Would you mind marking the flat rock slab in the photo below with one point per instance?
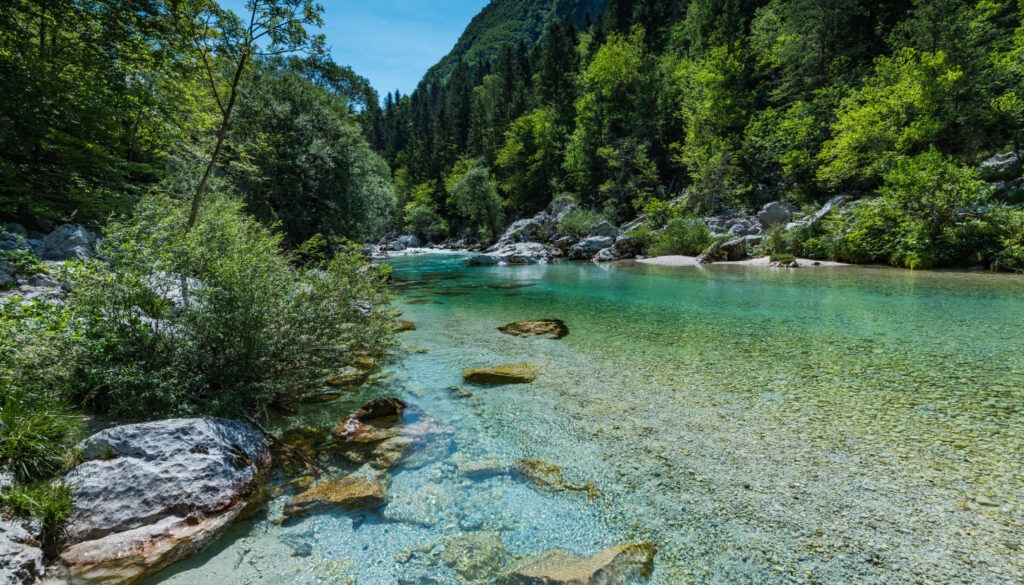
(350, 493)
(553, 328)
(518, 374)
(618, 565)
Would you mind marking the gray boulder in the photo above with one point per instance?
(68, 242)
(539, 228)
(605, 230)
(587, 248)
(9, 241)
(21, 559)
(729, 250)
(830, 207)
(521, 253)
(773, 213)
(607, 255)
(17, 229)
(409, 241)
(627, 247)
(7, 278)
(150, 494)
(564, 244)
(560, 206)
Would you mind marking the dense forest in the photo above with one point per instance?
(726, 104)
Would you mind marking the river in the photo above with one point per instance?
(811, 425)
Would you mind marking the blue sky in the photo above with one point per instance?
(391, 42)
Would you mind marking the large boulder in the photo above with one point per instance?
(730, 250)
(539, 228)
(606, 230)
(618, 565)
(147, 495)
(21, 559)
(772, 214)
(68, 242)
(522, 253)
(588, 247)
(627, 247)
(409, 241)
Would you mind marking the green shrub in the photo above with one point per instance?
(923, 216)
(687, 236)
(50, 503)
(660, 212)
(1011, 242)
(25, 262)
(216, 320)
(578, 223)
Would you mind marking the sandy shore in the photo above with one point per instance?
(763, 261)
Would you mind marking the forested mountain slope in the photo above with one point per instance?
(509, 22)
(725, 105)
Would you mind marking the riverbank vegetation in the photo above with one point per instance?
(224, 167)
(731, 105)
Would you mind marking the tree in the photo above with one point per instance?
(530, 161)
(476, 198)
(617, 104)
(275, 27)
(299, 156)
(901, 109)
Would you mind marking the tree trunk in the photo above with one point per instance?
(221, 135)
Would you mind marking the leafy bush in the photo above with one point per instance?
(25, 262)
(216, 320)
(687, 236)
(1011, 241)
(578, 223)
(659, 212)
(50, 503)
(925, 215)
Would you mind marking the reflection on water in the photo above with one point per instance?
(758, 426)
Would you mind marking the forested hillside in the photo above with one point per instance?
(730, 104)
(510, 22)
(104, 100)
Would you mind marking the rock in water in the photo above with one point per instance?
(476, 555)
(552, 327)
(522, 253)
(150, 494)
(618, 565)
(21, 560)
(351, 493)
(519, 374)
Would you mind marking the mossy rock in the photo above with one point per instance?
(553, 328)
(498, 375)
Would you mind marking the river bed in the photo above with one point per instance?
(834, 425)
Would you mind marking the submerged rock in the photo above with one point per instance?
(618, 565)
(387, 432)
(518, 374)
(476, 556)
(552, 327)
(303, 445)
(351, 493)
(402, 325)
(540, 473)
(150, 494)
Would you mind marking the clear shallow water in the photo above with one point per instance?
(828, 425)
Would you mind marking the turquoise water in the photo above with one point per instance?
(818, 425)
